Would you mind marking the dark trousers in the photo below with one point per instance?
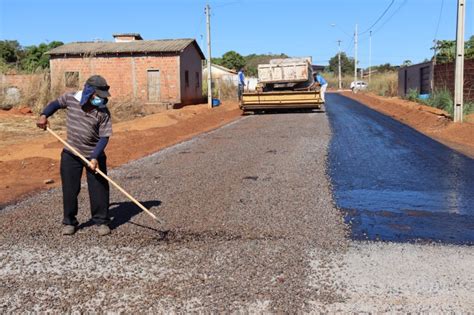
(71, 173)
(240, 91)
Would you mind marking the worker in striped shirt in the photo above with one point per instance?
(89, 127)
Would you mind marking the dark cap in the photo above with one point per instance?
(100, 85)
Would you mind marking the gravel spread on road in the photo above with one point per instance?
(389, 277)
(250, 227)
(243, 205)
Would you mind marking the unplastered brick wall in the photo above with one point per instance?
(444, 78)
(126, 75)
(20, 81)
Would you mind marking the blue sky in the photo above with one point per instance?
(295, 27)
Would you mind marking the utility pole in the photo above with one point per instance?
(355, 54)
(459, 70)
(370, 54)
(433, 64)
(339, 63)
(209, 75)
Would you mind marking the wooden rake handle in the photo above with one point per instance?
(105, 176)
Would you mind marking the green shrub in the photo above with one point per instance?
(412, 95)
(468, 108)
(441, 99)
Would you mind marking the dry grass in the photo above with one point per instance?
(384, 84)
(126, 109)
(223, 89)
(37, 93)
(333, 81)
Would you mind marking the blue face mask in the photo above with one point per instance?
(97, 101)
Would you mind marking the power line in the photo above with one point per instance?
(439, 20)
(350, 46)
(198, 29)
(390, 17)
(381, 16)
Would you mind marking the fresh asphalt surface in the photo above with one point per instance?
(251, 227)
(395, 183)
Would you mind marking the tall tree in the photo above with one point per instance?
(35, 57)
(445, 50)
(233, 60)
(469, 49)
(347, 64)
(9, 51)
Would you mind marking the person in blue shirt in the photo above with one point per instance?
(241, 83)
(324, 84)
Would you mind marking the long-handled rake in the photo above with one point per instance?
(105, 176)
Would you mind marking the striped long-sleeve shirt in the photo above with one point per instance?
(84, 129)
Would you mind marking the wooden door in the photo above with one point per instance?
(154, 85)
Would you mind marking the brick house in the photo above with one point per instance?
(150, 71)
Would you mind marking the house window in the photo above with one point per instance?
(198, 84)
(71, 79)
(186, 78)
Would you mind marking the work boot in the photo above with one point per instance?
(69, 230)
(103, 229)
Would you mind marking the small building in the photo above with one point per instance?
(415, 77)
(151, 71)
(223, 75)
(219, 72)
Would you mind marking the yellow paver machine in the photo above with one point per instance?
(284, 84)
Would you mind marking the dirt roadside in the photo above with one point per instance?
(433, 122)
(29, 158)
